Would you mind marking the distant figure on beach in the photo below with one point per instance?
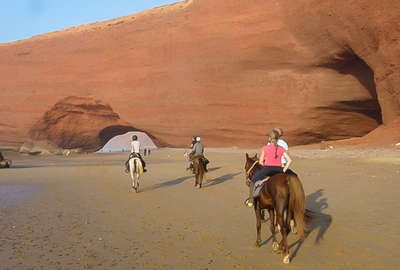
(145, 152)
(148, 152)
(4, 163)
(135, 150)
(197, 151)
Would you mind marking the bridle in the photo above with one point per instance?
(248, 171)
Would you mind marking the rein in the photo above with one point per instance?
(252, 166)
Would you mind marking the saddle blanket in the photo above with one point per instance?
(258, 186)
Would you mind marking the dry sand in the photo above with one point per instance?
(77, 212)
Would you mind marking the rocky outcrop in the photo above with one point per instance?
(79, 123)
(225, 70)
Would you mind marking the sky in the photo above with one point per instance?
(21, 19)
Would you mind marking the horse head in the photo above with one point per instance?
(250, 165)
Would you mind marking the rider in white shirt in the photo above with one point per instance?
(135, 149)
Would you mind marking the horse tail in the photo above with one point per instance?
(297, 203)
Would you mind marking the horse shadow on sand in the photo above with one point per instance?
(174, 182)
(315, 219)
(219, 180)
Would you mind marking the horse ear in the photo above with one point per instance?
(247, 156)
(255, 156)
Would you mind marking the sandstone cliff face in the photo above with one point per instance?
(79, 122)
(225, 70)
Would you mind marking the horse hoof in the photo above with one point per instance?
(257, 244)
(275, 246)
(286, 259)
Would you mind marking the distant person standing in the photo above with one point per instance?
(145, 151)
(148, 152)
(135, 149)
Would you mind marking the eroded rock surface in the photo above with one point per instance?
(225, 70)
(79, 123)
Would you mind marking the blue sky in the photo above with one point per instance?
(21, 19)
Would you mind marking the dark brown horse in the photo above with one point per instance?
(199, 169)
(281, 193)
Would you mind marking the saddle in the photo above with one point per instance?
(201, 160)
(258, 186)
(132, 155)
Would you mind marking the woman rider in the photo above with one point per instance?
(271, 161)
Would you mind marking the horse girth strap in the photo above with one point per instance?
(252, 166)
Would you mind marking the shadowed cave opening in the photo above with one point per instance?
(348, 62)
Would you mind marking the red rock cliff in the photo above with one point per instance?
(225, 70)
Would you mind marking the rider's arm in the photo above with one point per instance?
(261, 160)
(288, 161)
(193, 149)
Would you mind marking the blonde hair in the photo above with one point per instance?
(279, 130)
(273, 137)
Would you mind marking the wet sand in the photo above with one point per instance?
(77, 212)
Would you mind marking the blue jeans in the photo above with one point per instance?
(266, 171)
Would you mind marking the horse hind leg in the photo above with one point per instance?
(272, 228)
(131, 172)
(137, 182)
(201, 176)
(290, 222)
(195, 180)
(283, 245)
(138, 169)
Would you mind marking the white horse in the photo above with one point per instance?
(136, 171)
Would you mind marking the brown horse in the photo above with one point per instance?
(281, 193)
(199, 169)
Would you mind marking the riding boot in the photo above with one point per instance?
(190, 166)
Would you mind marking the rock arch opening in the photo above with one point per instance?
(117, 138)
(347, 62)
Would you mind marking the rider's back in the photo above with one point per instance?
(198, 149)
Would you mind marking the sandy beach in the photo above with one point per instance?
(77, 212)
